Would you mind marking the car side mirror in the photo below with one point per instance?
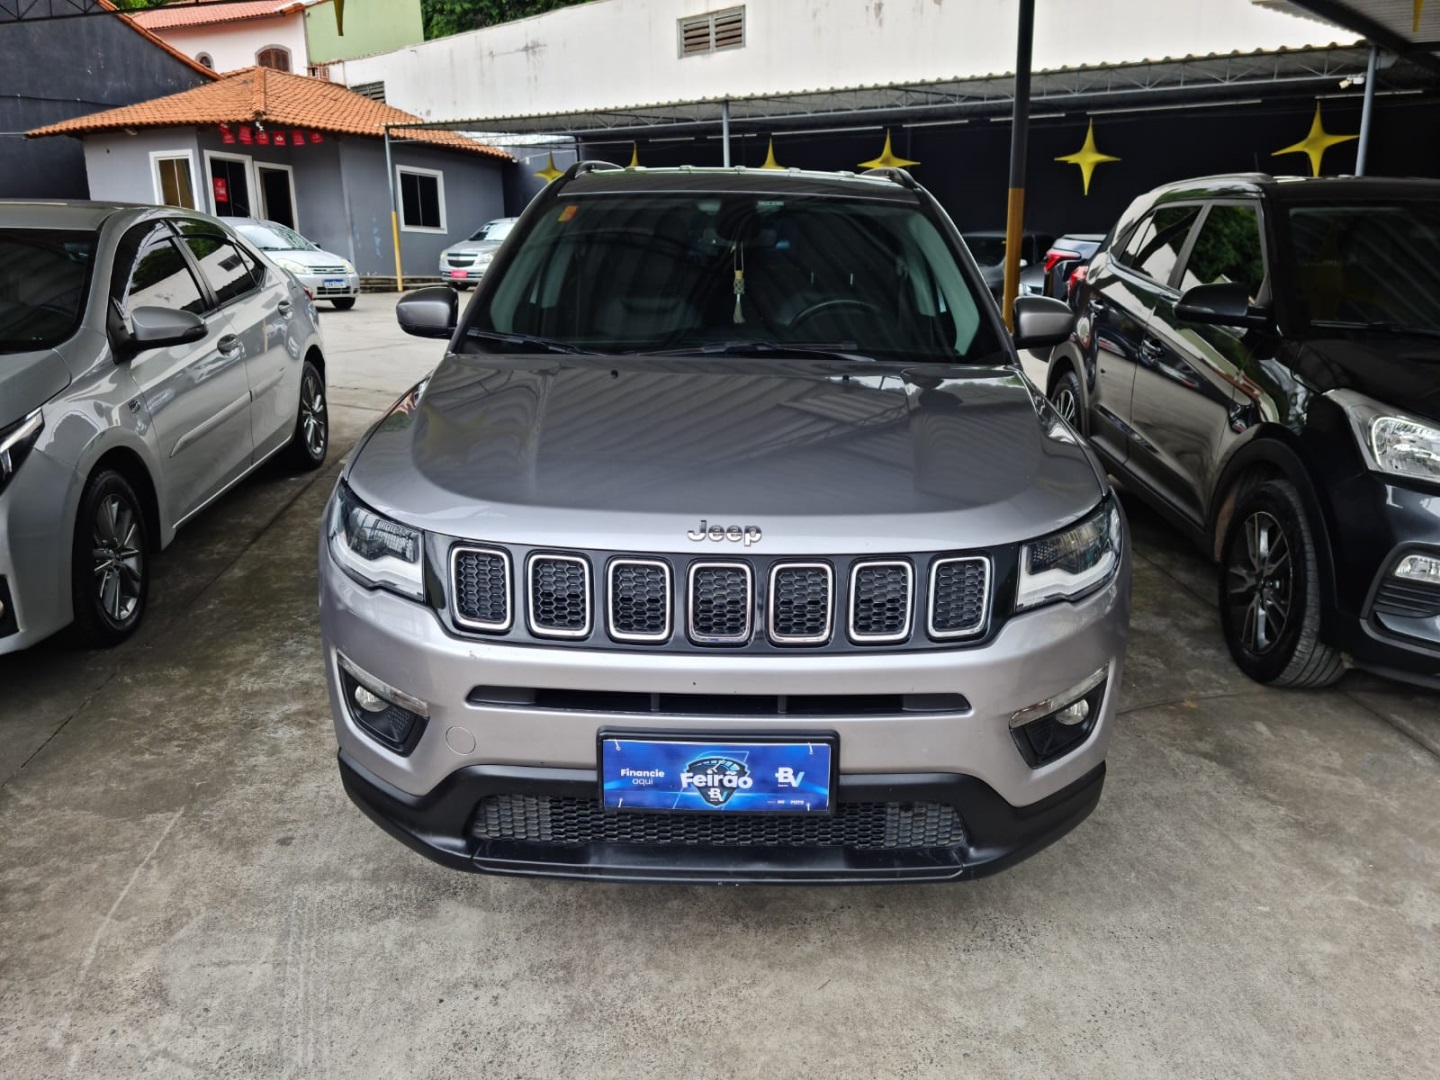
(1225, 304)
(1041, 321)
(157, 327)
(429, 312)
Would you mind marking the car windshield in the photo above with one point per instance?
(272, 236)
(988, 250)
(738, 274)
(44, 280)
(1366, 266)
(493, 230)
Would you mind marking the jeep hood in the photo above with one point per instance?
(28, 380)
(631, 453)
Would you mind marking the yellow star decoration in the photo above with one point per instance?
(549, 172)
(887, 159)
(1316, 143)
(1087, 157)
(770, 162)
(634, 156)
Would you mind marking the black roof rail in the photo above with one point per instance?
(899, 176)
(586, 167)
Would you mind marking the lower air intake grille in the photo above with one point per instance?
(872, 826)
(559, 596)
(720, 602)
(880, 601)
(957, 597)
(480, 582)
(1409, 600)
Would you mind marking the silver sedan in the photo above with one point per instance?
(149, 359)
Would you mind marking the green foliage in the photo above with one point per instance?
(442, 17)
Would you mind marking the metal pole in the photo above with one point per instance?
(394, 212)
(1019, 140)
(725, 130)
(1365, 116)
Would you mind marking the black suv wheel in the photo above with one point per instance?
(1065, 395)
(1270, 591)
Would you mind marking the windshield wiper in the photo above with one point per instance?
(526, 340)
(830, 350)
(1382, 327)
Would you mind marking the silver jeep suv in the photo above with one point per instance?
(728, 543)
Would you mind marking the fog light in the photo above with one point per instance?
(1052, 728)
(1077, 713)
(368, 701)
(1424, 568)
(388, 715)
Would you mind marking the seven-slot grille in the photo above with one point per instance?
(721, 603)
(959, 589)
(880, 595)
(559, 594)
(481, 579)
(721, 600)
(801, 598)
(638, 605)
(326, 270)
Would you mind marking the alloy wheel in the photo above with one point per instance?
(312, 414)
(1260, 583)
(118, 562)
(1066, 405)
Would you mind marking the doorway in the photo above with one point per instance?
(277, 193)
(230, 186)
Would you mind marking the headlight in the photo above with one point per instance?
(349, 266)
(1390, 441)
(484, 257)
(293, 267)
(1067, 565)
(15, 443)
(374, 550)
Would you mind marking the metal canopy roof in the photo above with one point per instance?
(1410, 28)
(1159, 83)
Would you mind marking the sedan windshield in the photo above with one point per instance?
(272, 236)
(739, 275)
(1366, 266)
(494, 231)
(44, 280)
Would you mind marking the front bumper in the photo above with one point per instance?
(470, 274)
(35, 553)
(330, 286)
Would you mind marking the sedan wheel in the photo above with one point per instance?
(109, 565)
(312, 422)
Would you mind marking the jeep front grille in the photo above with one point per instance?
(638, 599)
(959, 589)
(720, 602)
(880, 594)
(480, 580)
(801, 599)
(559, 590)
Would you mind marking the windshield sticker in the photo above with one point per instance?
(569, 212)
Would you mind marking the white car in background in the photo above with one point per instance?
(465, 263)
(326, 275)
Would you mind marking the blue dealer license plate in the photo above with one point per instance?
(715, 775)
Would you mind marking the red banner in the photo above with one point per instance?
(222, 193)
(246, 135)
(226, 135)
(262, 137)
(279, 138)
(315, 137)
(297, 138)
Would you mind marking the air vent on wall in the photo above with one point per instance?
(372, 90)
(712, 32)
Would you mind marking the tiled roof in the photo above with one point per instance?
(272, 97)
(206, 13)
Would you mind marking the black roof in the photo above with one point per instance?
(1301, 188)
(887, 184)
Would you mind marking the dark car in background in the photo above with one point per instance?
(1259, 360)
(987, 247)
(1066, 263)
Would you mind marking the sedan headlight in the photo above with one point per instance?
(15, 444)
(1067, 565)
(374, 550)
(1390, 441)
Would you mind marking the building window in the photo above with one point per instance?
(204, 59)
(174, 176)
(712, 32)
(373, 90)
(274, 56)
(422, 199)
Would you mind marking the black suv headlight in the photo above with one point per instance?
(1391, 441)
(1073, 562)
(374, 550)
(16, 442)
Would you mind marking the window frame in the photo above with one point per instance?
(1202, 208)
(204, 59)
(438, 176)
(285, 49)
(210, 205)
(260, 191)
(188, 155)
(1264, 296)
(122, 271)
(198, 227)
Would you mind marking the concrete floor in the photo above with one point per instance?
(186, 891)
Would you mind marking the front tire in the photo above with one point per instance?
(1270, 598)
(343, 303)
(311, 440)
(109, 562)
(1068, 400)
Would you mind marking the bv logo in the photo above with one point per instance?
(716, 778)
(748, 534)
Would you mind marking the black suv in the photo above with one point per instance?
(1259, 360)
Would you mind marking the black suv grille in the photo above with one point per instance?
(957, 597)
(800, 597)
(639, 600)
(880, 601)
(720, 602)
(872, 826)
(559, 596)
(482, 588)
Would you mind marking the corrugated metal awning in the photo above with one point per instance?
(1410, 28)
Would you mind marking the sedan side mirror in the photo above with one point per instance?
(1041, 321)
(1225, 304)
(156, 327)
(429, 312)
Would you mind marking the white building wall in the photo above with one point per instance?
(609, 53)
(234, 45)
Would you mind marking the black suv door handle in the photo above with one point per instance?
(228, 345)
